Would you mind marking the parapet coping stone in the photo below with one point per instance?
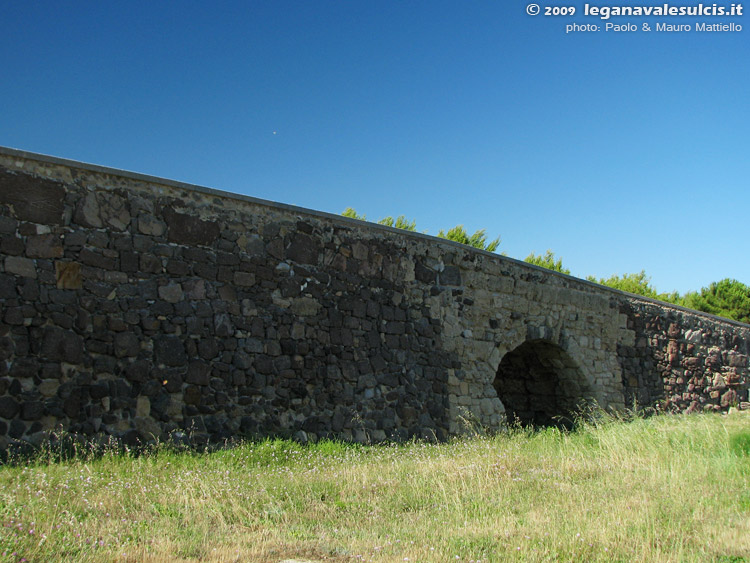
(48, 159)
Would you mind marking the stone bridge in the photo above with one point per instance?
(139, 307)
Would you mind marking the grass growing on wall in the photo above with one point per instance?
(667, 488)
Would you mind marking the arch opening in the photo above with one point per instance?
(540, 384)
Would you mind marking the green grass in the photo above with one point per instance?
(666, 488)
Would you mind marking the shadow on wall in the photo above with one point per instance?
(541, 385)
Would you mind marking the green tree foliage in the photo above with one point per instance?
(726, 298)
(547, 261)
(477, 240)
(457, 234)
(673, 297)
(401, 222)
(639, 283)
(352, 214)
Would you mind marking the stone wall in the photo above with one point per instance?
(683, 361)
(139, 307)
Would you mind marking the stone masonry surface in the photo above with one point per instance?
(140, 307)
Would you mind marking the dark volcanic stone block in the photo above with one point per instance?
(96, 260)
(99, 390)
(303, 249)
(24, 367)
(17, 429)
(126, 344)
(44, 246)
(11, 245)
(33, 199)
(8, 225)
(8, 407)
(451, 275)
(424, 274)
(62, 345)
(7, 287)
(189, 230)
(32, 410)
(169, 351)
(198, 373)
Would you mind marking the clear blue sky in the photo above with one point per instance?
(618, 151)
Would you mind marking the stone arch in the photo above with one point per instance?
(541, 384)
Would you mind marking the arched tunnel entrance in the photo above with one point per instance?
(540, 384)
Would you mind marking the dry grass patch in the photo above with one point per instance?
(668, 488)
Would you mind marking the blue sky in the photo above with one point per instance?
(618, 151)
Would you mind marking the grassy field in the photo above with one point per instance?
(667, 488)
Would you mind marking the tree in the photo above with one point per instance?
(352, 214)
(639, 283)
(401, 222)
(477, 240)
(726, 298)
(547, 261)
(457, 234)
